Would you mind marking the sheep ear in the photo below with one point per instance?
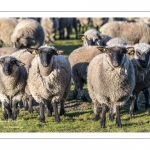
(130, 50)
(103, 49)
(19, 63)
(81, 36)
(1, 61)
(32, 51)
(59, 52)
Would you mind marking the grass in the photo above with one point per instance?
(79, 115)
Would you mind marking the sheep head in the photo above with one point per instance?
(9, 64)
(115, 54)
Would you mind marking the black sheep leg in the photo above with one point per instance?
(42, 117)
(118, 120)
(103, 117)
(75, 93)
(96, 111)
(62, 110)
(147, 101)
(14, 110)
(30, 104)
(132, 104)
(7, 111)
(49, 108)
(55, 108)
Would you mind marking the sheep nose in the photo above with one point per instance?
(115, 64)
(45, 64)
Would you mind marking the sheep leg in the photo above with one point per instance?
(132, 104)
(82, 95)
(14, 110)
(55, 108)
(96, 111)
(103, 117)
(147, 101)
(118, 120)
(75, 93)
(62, 110)
(42, 117)
(136, 102)
(30, 109)
(25, 104)
(111, 114)
(49, 108)
(7, 111)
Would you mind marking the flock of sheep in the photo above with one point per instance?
(114, 63)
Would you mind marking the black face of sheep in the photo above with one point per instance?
(8, 64)
(45, 54)
(143, 58)
(116, 54)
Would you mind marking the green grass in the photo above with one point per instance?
(79, 115)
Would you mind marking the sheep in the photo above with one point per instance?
(79, 60)
(83, 24)
(7, 26)
(98, 22)
(111, 81)
(141, 62)
(93, 37)
(50, 26)
(26, 57)
(7, 50)
(49, 80)
(28, 33)
(65, 23)
(12, 85)
(133, 33)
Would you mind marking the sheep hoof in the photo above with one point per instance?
(62, 112)
(119, 125)
(42, 120)
(57, 119)
(84, 99)
(111, 117)
(102, 123)
(5, 116)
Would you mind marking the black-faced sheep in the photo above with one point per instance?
(111, 81)
(49, 80)
(93, 37)
(12, 85)
(28, 33)
(141, 62)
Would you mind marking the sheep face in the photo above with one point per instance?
(9, 64)
(142, 59)
(45, 55)
(115, 54)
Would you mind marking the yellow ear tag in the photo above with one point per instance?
(82, 38)
(34, 52)
(132, 53)
(104, 49)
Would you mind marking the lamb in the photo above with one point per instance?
(7, 51)
(93, 37)
(12, 85)
(141, 62)
(7, 26)
(138, 32)
(50, 26)
(26, 57)
(28, 33)
(49, 80)
(111, 81)
(79, 60)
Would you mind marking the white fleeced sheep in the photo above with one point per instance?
(25, 57)
(138, 32)
(28, 33)
(111, 81)
(141, 62)
(50, 26)
(7, 26)
(7, 51)
(12, 85)
(49, 80)
(117, 40)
